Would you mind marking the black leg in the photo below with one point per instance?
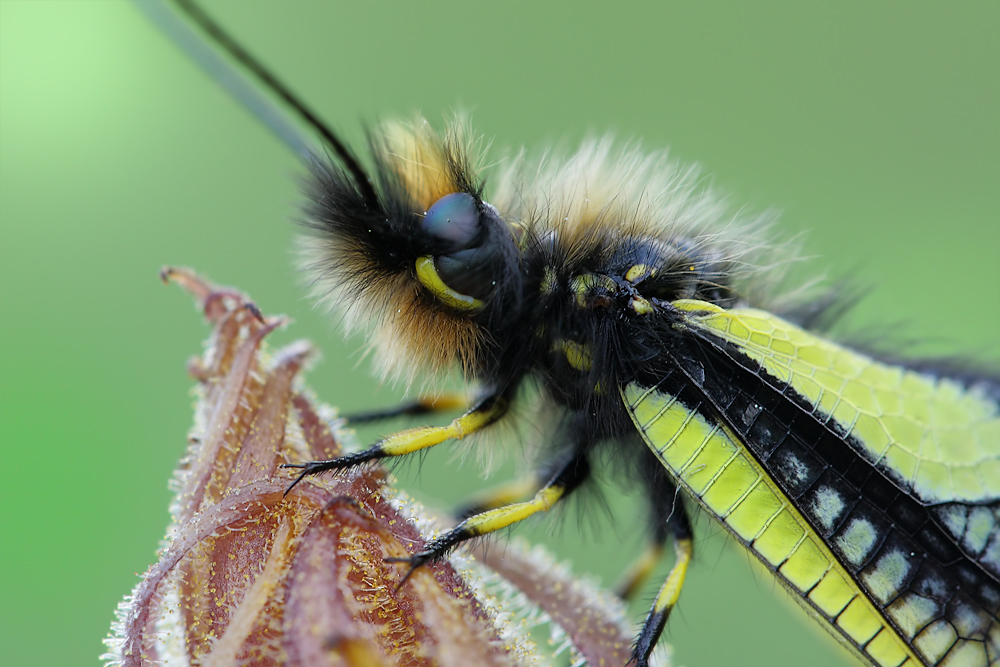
(635, 576)
(666, 599)
(663, 503)
(565, 479)
(422, 406)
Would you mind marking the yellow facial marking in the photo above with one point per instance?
(641, 306)
(583, 285)
(429, 278)
(639, 272)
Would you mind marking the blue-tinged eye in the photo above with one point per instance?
(467, 250)
(454, 219)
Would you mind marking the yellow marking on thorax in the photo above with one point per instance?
(941, 439)
(429, 278)
(709, 463)
(578, 355)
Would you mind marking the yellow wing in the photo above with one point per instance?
(869, 490)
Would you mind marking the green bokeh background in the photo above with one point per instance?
(875, 128)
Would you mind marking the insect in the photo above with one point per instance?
(627, 296)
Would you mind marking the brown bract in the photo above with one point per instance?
(251, 576)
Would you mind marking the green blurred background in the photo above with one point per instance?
(874, 127)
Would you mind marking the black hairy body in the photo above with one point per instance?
(572, 290)
(548, 282)
(549, 286)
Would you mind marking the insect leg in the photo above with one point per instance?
(665, 508)
(567, 477)
(421, 406)
(666, 599)
(637, 573)
(488, 410)
(498, 496)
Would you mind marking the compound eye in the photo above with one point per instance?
(453, 220)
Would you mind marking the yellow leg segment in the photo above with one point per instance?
(666, 600)
(493, 520)
(411, 440)
(568, 477)
(503, 494)
(671, 589)
(415, 439)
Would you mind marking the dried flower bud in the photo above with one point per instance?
(250, 576)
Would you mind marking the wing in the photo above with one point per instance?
(869, 490)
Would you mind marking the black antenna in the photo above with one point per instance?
(231, 79)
